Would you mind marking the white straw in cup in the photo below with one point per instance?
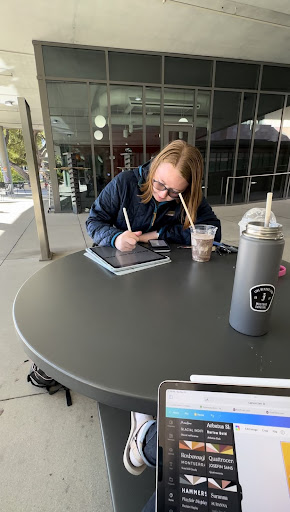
(268, 209)
(186, 210)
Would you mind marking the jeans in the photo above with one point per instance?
(149, 450)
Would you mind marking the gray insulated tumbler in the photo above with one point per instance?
(257, 268)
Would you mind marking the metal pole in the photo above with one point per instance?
(249, 189)
(144, 122)
(162, 103)
(209, 126)
(112, 172)
(227, 189)
(92, 142)
(4, 161)
(288, 184)
(279, 142)
(222, 186)
(31, 158)
(237, 146)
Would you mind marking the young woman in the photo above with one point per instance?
(150, 195)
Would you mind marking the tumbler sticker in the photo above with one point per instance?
(261, 297)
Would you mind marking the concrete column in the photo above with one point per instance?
(4, 161)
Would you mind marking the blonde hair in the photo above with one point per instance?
(188, 161)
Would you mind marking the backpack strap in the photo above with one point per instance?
(54, 389)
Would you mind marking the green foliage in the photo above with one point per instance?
(15, 145)
(16, 178)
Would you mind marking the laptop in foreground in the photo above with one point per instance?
(223, 445)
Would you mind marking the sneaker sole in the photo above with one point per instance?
(126, 456)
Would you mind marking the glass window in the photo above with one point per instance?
(223, 143)
(178, 106)
(266, 138)
(246, 130)
(178, 115)
(68, 107)
(284, 155)
(74, 63)
(236, 75)
(100, 119)
(135, 67)
(275, 78)
(180, 71)
(202, 121)
(152, 102)
(127, 126)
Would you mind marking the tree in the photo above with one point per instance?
(16, 149)
(16, 177)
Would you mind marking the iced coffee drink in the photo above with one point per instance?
(202, 237)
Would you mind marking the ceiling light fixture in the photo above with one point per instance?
(138, 98)
(98, 135)
(183, 120)
(100, 121)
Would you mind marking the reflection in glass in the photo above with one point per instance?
(68, 107)
(236, 75)
(275, 78)
(135, 67)
(127, 126)
(202, 121)
(266, 138)
(152, 105)
(74, 63)
(246, 130)
(178, 106)
(223, 143)
(284, 155)
(182, 71)
(100, 127)
(178, 115)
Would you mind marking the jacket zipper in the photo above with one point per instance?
(154, 215)
(155, 212)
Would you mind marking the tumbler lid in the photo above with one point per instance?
(258, 230)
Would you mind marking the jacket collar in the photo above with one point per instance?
(142, 172)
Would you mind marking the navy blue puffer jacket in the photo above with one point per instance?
(106, 219)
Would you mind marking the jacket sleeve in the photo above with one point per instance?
(103, 215)
(175, 233)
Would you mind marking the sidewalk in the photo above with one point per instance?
(52, 456)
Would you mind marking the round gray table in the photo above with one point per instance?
(115, 338)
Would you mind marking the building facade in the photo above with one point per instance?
(106, 111)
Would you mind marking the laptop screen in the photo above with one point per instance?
(225, 451)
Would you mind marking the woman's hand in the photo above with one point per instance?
(127, 241)
(153, 235)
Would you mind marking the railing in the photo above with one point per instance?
(249, 184)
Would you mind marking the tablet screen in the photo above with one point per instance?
(224, 451)
(118, 259)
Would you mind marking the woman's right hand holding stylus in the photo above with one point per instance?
(127, 241)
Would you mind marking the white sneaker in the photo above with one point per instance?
(133, 458)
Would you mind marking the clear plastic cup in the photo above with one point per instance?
(202, 237)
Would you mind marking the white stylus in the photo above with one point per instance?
(127, 219)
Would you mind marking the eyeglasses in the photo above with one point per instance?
(170, 191)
